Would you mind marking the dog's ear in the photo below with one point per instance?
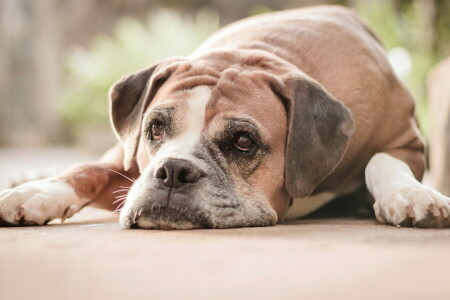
(129, 98)
(319, 131)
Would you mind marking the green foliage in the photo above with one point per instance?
(381, 16)
(404, 28)
(260, 9)
(133, 45)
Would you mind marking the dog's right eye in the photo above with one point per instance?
(156, 132)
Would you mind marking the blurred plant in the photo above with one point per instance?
(259, 9)
(406, 35)
(133, 45)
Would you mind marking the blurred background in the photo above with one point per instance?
(58, 58)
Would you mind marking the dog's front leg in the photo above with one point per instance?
(400, 199)
(38, 202)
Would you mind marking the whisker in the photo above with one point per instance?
(119, 200)
(122, 190)
(132, 180)
(119, 208)
(121, 196)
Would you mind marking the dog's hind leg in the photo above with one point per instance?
(38, 202)
(400, 198)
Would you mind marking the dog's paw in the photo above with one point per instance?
(417, 206)
(38, 202)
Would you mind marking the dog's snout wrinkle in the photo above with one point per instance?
(175, 173)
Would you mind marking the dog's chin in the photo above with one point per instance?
(161, 218)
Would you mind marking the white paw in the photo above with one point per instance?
(38, 202)
(415, 205)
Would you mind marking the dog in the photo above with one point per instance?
(270, 118)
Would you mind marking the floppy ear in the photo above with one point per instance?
(319, 131)
(129, 98)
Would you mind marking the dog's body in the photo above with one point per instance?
(249, 124)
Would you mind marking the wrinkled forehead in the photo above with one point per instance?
(233, 95)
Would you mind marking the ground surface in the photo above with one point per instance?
(90, 257)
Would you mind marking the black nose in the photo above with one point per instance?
(177, 172)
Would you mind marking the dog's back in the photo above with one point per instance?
(334, 47)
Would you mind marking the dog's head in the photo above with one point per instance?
(224, 140)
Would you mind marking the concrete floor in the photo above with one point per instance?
(90, 257)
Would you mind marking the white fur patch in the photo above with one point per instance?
(39, 201)
(398, 195)
(183, 144)
(304, 206)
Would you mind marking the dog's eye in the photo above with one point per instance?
(243, 142)
(157, 132)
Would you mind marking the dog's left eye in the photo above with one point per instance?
(157, 132)
(243, 142)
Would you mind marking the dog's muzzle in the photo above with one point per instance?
(180, 193)
(166, 197)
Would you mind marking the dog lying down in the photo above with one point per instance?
(270, 118)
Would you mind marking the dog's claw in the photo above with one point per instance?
(444, 212)
(411, 215)
(410, 212)
(434, 210)
(134, 218)
(68, 212)
(20, 214)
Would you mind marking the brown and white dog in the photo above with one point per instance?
(289, 108)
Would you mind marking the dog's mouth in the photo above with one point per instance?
(166, 218)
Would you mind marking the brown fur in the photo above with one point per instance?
(98, 181)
